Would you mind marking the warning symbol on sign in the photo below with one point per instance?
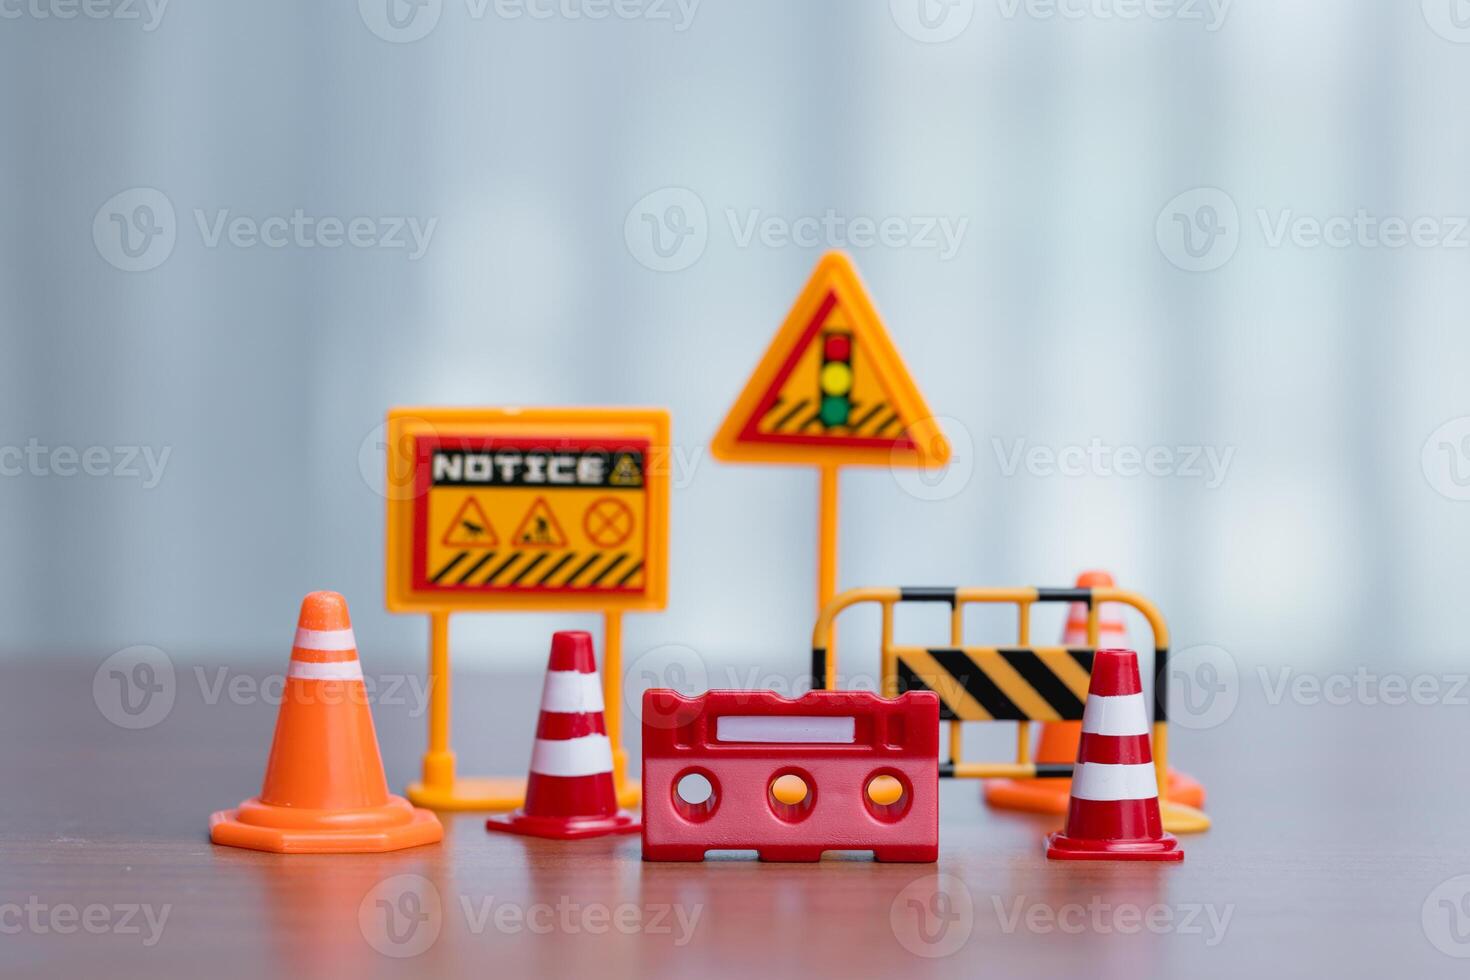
(831, 388)
(626, 472)
(608, 522)
(470, 527)
(540, 529)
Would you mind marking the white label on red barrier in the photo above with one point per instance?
(1103, 782)
(788, 728)
(1122, 714)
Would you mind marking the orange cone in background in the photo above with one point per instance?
(324, 790)
(1059, 739)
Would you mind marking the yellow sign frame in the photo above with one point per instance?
(409, 431)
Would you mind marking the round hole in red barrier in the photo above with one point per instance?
(792, 793)
(888, 795)
(696, 794)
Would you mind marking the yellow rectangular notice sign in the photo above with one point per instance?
(530, 509)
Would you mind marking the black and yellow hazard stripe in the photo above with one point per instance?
(998, 684)
(1009, 681)
(540, 569)
(805, 415)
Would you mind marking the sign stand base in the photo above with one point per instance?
(440, 789)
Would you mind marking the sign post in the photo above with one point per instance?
(533, 510)
(831, 391)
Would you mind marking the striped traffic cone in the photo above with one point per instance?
(1114, 812)
(1057, 744)
(570, 791)
(324, 787)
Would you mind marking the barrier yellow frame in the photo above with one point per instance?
(1177, 817)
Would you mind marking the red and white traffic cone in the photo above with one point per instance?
(1114, 812)
(570, 791)
(1057, 743)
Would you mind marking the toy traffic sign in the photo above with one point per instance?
(831, 391)
(831, 388)
(523, 509)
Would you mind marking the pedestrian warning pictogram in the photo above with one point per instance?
(831, 388)
(470, 528)
(539, 528)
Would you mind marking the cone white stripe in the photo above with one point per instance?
(1109, 783)
(571, 692)
(325, 639)
(349, 670)
(1122, 714)
(588, 755)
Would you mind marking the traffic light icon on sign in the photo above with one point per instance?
(836, 378)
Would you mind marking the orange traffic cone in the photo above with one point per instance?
(570, 791)
(324, 787)
(1058, 741)
(1114, 810)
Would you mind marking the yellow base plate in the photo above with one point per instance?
(1181, 819)
(496, 793)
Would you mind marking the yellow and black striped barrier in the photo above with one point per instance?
(1023, 684)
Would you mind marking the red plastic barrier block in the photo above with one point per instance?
(836, 742)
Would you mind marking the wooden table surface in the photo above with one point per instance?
(1339, 834)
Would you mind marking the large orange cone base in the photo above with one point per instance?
(324, 787)
(1058, 742)
(1114, 810)
(570, 790)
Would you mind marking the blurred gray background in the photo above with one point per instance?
(1130, 194)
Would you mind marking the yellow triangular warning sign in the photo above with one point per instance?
(470, 527)
(539, 528)
(626, 471)
(831, 388)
